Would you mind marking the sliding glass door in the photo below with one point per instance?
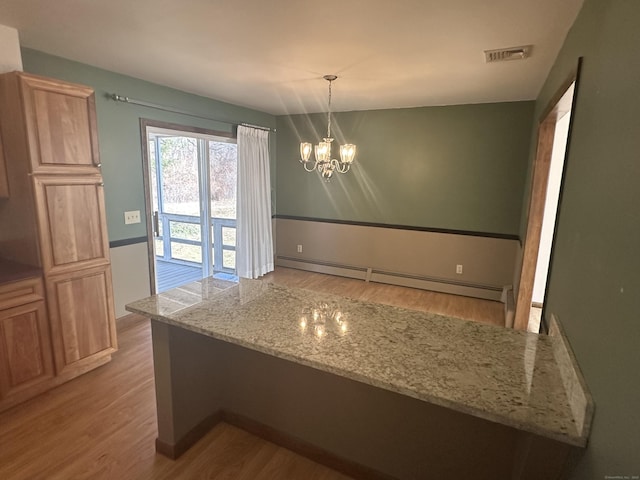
(192, 188)
(223, 174)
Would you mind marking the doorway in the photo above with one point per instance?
(191, 178)
(550, 213)
(548, 173)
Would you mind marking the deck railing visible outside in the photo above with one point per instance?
(183, 243)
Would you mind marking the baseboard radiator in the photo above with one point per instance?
(509, 305)
(424, 282)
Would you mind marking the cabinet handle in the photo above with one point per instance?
(156, 224)
(101, 184)
(99, 165)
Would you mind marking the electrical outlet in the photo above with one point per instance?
(132, 217)
(299, 248)
(459, 269)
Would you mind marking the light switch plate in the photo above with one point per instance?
(132, 217)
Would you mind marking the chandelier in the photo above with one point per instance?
(323, 163)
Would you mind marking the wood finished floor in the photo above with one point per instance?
(103, 425)
(467, 308)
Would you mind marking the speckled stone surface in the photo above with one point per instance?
(498, 374)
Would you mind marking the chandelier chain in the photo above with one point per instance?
(329, 113)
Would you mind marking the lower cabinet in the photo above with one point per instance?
(4, 178)
(26, 362)
(81, 316)
(53, 331)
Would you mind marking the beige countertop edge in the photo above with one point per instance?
(574, 440)
(572, 375)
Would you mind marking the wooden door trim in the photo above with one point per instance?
(540, 177)
(546, 135)
(144, 123)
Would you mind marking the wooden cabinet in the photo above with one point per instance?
(4, 178)
(81, 330)
(61, 125)
(26, 362)
(71, 218)
(55, 219)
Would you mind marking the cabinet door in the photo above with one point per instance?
(26, 364)
(61, 125)
(72, 224)
(82, 318)
(4, 177)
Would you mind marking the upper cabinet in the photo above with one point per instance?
(60, 122)
(72, 222)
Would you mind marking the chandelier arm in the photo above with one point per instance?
(339, 166)
(342, 167)
(315, 164)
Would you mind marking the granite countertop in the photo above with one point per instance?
(519, 379)
(13, 271)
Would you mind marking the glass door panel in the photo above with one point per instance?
(193, 198)
(223, 164)
(176, 199)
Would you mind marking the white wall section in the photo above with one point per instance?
(10, 58)
(130, 270)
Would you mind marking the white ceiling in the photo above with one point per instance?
(270, 55)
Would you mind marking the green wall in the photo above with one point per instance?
(456, 167)
(595, 273)
(119, 128)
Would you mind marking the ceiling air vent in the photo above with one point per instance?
(504, 54)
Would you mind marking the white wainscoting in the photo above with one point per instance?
(130, 270)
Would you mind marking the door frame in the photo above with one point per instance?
(144, 124)
(540, 178)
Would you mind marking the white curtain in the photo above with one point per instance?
(254, 239)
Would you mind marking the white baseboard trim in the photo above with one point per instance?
(487, 292)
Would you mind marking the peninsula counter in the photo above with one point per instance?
(371, 389)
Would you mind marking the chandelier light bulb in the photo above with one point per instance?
(305, 151)
(347, 153)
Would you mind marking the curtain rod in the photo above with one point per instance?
(120, 98)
